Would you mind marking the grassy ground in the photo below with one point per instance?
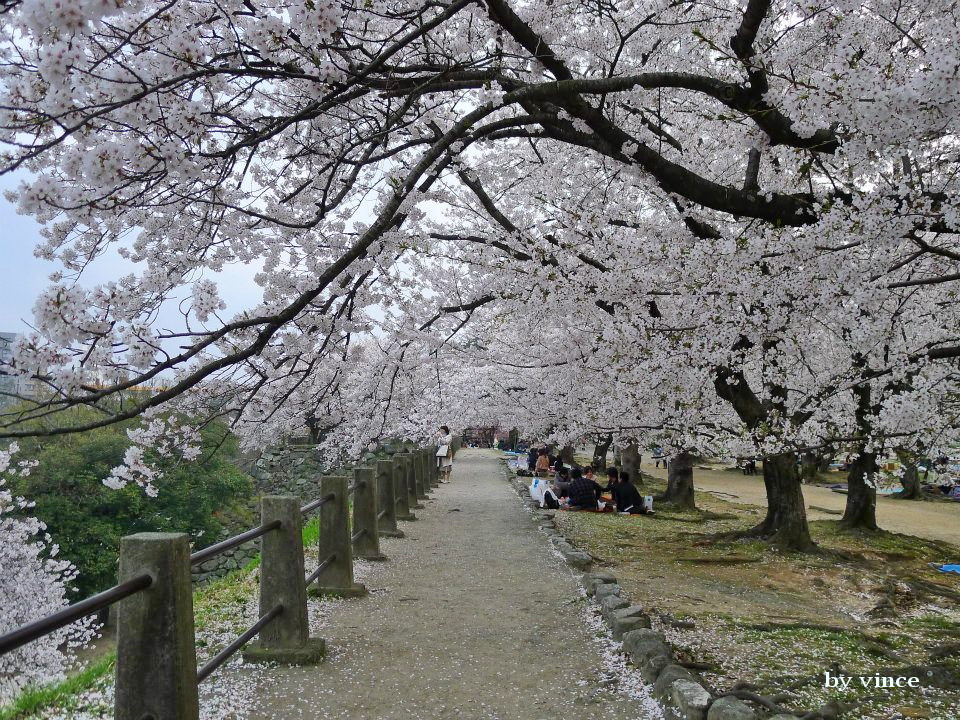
(775, 622)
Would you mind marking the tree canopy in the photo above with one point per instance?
(725, 225)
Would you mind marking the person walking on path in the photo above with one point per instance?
(445, 453)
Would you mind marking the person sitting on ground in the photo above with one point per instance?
(583, 492)
(612, 480)
(542, 464)
(561, 482)
(627, 497)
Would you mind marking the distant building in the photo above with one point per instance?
(12, 384)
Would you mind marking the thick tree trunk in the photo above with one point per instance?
(808, 467)
(861, 510)
(600, 452)
(911, 477)
(630, 461)
(566, 454)
(680, 480)
(786, 522)
(514, 438)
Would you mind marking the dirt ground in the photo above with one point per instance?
(747, 613)
(931, 520)
(473, 616)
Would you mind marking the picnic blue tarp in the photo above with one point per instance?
(950, 569)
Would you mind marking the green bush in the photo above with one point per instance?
(87, 519)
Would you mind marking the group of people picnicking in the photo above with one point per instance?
(576, 488)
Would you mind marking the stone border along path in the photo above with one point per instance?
(682, 693)
(474, 615)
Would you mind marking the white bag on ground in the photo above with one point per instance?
(537, 487)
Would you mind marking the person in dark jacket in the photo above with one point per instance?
(626, 496)
(612, 480)
(583, 492)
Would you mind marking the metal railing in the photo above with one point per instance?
(95, 603)
(155, 585)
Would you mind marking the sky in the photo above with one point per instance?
(23, 276)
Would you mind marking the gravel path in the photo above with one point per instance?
(473, 616)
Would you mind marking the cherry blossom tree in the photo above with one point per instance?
(727, 225)
(33, 583)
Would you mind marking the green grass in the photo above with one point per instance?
(311, 532)
(35, 699)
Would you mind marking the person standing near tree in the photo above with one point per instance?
(658, 456)
(445, 453)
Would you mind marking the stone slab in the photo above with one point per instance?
(730, 708)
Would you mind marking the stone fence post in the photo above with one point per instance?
(335, 544)
(409, 471)
(366, 538)
(156, 650)
(286, 638)
(420, 477)
(400, 461)
(430, 455)
(387, 500)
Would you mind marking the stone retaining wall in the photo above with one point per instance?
(288, 470)
(225, 563)
(683, 693)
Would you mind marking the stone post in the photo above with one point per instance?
(366, 544)
(286, 638)
(430, 465)
(387, 496)
(400, 461)
(420, 477)
(156, 651)
(409, 480)
(337, 577)
(432, 469)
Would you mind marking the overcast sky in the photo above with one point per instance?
(22, 275)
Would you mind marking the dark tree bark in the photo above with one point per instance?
(786, 522)
(600, 452)
(514, 439)
(630, 461)
(911, 477)
(812, 464)
(861, 509)
(680, 481)
(566, 454)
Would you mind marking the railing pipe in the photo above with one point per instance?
(221, 657)
(311, 506)
(230, 543)
(44, 626)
